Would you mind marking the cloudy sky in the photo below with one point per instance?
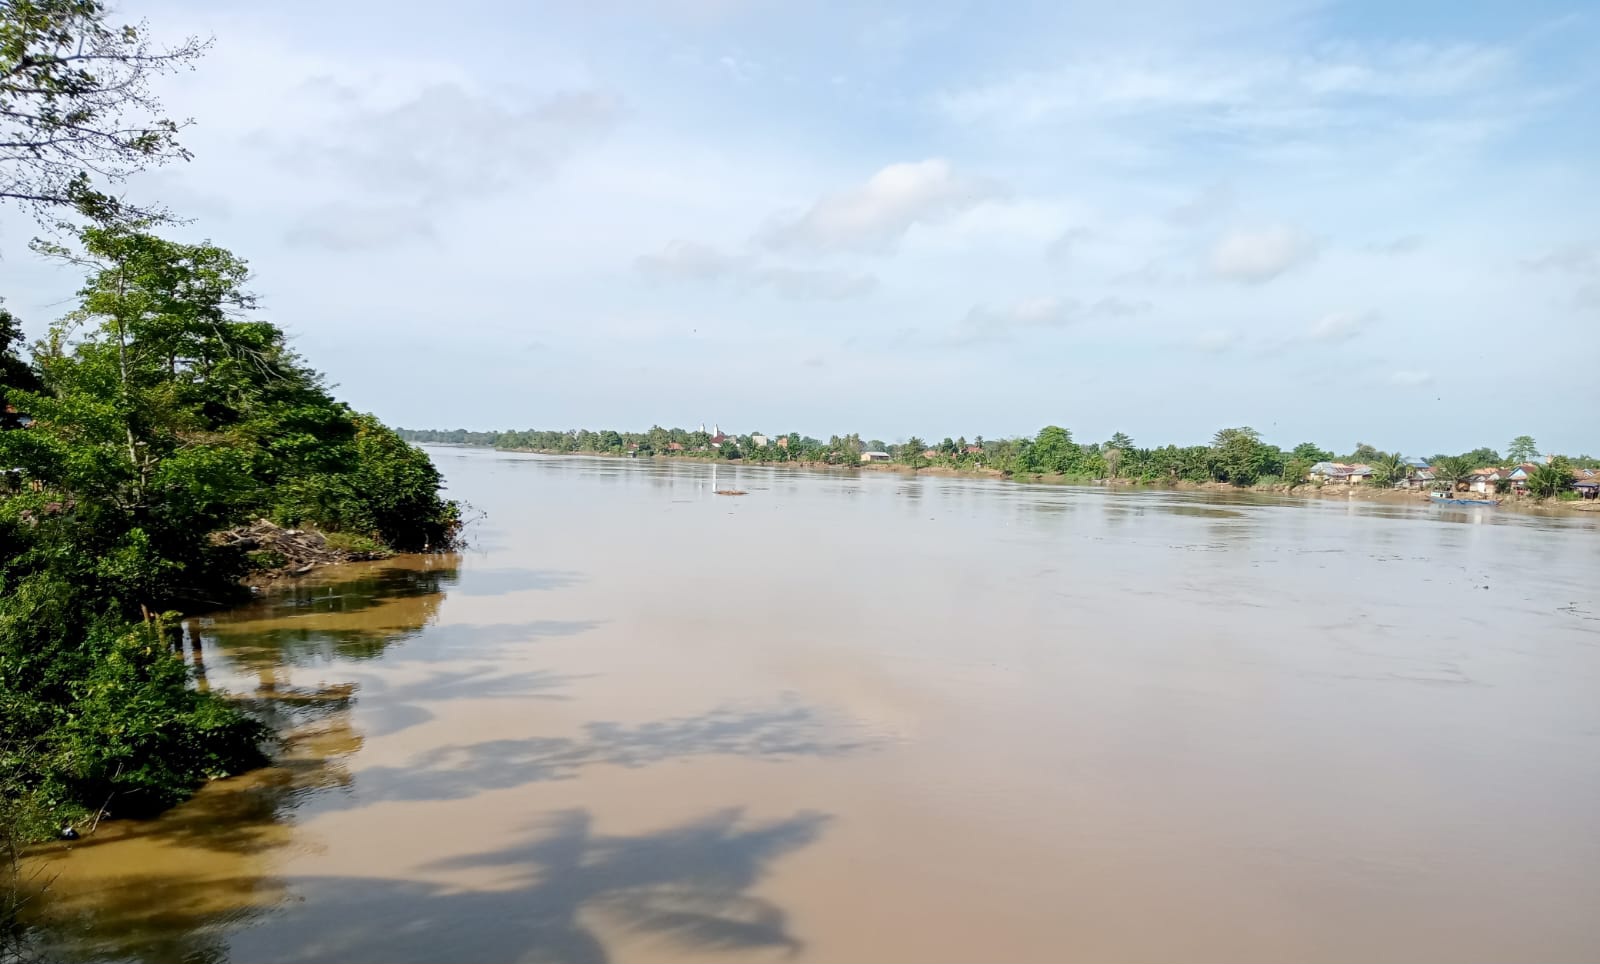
(1339, 222)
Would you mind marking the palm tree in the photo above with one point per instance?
(1452, 469)
(1389, 469)
(1550, 479)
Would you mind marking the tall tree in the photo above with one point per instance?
(77, 114)
(1522, 449)
(1120, 440)
(1054, 451)
(1311, 453)
(1237, 455)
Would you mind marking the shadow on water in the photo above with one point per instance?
(197, 884)
(786, 731)
(687, 886)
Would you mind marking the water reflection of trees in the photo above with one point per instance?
(181, 887)
(350, 619)
(686, 885)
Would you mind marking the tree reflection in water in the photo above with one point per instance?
(202, 882)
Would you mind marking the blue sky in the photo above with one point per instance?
(1338, 222)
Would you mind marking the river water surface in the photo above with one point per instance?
(885, 718)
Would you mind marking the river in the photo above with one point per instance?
(874, 717)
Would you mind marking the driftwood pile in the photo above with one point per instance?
(301, 550)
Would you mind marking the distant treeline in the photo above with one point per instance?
(1235, 455)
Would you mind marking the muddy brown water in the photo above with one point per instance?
(853, 718)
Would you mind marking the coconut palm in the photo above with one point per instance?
(1452, 469)
(1389, 469)
(1550, 479)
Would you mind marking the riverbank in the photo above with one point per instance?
(1362, 493)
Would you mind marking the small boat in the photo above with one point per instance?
(1446, 500)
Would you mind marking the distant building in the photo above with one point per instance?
(974, 450)
(875, 457)
(1340, 473)
(1418, 477)
(1517, 475)
(759, 441)
(1483, 481)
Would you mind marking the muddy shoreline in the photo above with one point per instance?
(1309, 491)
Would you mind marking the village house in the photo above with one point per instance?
(1586, 483)
(1517, 475)
(1417, 477)
(1340, 473)
(1484, 481)
(875, 457)
(758, 440)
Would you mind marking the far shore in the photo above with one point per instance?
(1357, 492)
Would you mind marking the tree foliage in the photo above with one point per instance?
(1522, 449)
(160, 415)
(1551, 479)
(1238, 455)
(77, 114)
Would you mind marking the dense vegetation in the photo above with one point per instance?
(1235, 455)
(160, 414)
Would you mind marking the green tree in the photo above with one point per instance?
(910, 453)
(161, 416)
(1389, 469)
(1551, 479)
(1364, 453)
(1452, 470)
(1522, 449)
(15, 373)
(1119, 440)
(1312, 453)
(1237, 456)
(1054, 451)
(77, 112)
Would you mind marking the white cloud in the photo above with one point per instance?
(1216, 340)
(1061, 249)
(1208, 205)
(992, 323)
(1258, 256)
(1338, 326)
(807, 284)
(447, 142)
(682, 260)
(877, 214)
(345, 226)
(1410, 379)
(1405, 244)
(1231, 88)
(1578, 258)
